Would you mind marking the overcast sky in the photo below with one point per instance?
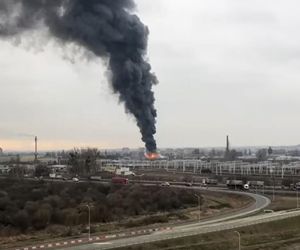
(224, 67)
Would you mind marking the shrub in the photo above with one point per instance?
(41, 218)
(39, 204)
(21, 220)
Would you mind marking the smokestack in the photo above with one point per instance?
(108, 29)
(35, 149)
(227, 143)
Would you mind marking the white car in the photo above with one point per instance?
(165, 184)
(75, 179)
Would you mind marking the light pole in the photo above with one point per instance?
(199, 204)
(297, 196)
(89, 220)
(239, 235)
(271, 170)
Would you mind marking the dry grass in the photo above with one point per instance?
(284, 203)
(277, 235)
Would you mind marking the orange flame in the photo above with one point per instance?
(152, 156)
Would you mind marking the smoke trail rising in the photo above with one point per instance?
(108, 29)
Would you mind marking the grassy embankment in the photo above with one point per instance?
(278, 235)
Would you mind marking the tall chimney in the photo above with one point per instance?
(227, 143)
(35, 151)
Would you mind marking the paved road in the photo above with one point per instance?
(191, 230)
(221, 223)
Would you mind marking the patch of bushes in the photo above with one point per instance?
(38, 205)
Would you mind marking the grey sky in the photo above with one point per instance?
(225, 67)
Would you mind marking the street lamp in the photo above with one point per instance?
(271, 171)
(89, 220)
(297, 196)
(239, 235)
(199, 204)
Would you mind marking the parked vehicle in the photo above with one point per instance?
(119, 180)
(237, 184)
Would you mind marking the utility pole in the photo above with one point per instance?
(273, 189)
(271, 170)
(89, 220)
(199, 205)
(35, 149)
(297, 197)
(239, 235)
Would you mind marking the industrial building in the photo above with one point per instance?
(241, 168)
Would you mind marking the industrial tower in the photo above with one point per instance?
(35, 149)
(227, 143)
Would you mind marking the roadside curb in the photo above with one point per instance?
(69, 243)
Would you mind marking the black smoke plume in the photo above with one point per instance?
(108, 29)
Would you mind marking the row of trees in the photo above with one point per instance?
(83, 161)
(25, 205)
(232, 154)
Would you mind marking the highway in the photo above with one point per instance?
(190, 230)
(237, 219)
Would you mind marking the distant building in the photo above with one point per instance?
(124, 171)
(125, 150)
(4, 169)
(109, 168)
(58, 169)
(1, 151)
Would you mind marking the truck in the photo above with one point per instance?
(209, 181)
(237, 184)
(256, 184)
(295, 186)
(55, 176)
(119, 180)
(95, 178)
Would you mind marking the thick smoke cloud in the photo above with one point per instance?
(104, 27)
